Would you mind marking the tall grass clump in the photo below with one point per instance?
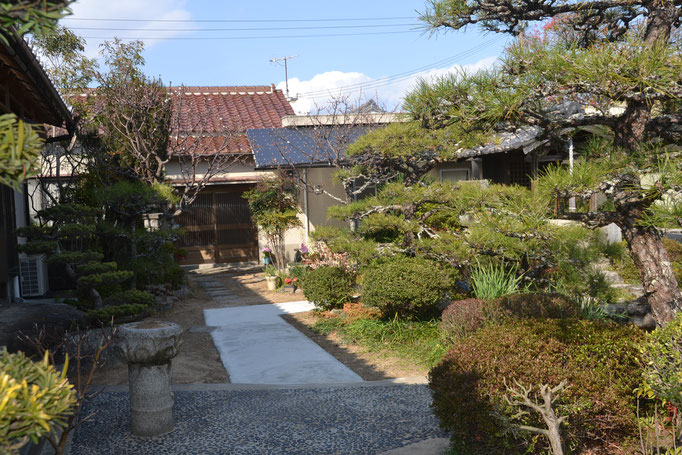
(493, 281)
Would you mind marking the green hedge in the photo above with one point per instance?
(600, 361)
(328, 287)
(408, 287)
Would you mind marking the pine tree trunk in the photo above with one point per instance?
(656, 271)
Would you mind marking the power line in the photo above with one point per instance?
(388, 80)
(240, 20)
(317, 27)
(246, 37)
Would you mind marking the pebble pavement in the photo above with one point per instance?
(326, 420)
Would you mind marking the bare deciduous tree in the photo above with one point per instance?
(325, 137)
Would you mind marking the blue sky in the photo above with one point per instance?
(325, 65)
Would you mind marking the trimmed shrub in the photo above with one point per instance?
(552, 306)
(408, 287)
(130, 297)
(600, 361)
(328, 287)
(119, 312)
(463, 317)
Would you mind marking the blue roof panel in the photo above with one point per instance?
(301, 146)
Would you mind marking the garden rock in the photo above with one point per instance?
(645, 322)
(638, 308)
(184, 292)
(636, 312)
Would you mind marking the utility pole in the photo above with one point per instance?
(286, 69)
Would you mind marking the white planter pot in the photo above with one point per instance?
(271, 282)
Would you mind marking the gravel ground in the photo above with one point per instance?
(327, 420)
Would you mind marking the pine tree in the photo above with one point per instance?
(612, 68)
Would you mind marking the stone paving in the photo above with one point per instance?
(319, 420)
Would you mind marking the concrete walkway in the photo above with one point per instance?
(257, 346)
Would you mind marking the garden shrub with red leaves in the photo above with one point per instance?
(600, 360)
(552, 306)
(462, 317)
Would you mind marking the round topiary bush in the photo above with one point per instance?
(328, 287)
(599, 360)
(463, 317)
(408, 287)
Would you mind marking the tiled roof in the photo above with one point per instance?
(215, 110)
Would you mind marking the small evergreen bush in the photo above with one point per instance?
(408, 287)
(539, 305)
(599, 360)
(662, 354)
(34, 399)
(328, 287)
(130, 297)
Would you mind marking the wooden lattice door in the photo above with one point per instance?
(218, 227)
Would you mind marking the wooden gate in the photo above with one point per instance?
(218, 227)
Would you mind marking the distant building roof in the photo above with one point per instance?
(215, 110)
(370, 107)
(302, 146)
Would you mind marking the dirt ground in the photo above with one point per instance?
(198, 361)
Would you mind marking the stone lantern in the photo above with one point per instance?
(148, 347)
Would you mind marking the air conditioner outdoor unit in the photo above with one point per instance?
(33, 276)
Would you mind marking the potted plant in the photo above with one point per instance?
(290, 284)
(271, 277)
(267, 256)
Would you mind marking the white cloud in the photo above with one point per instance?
(323, 88)
(127, 9)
